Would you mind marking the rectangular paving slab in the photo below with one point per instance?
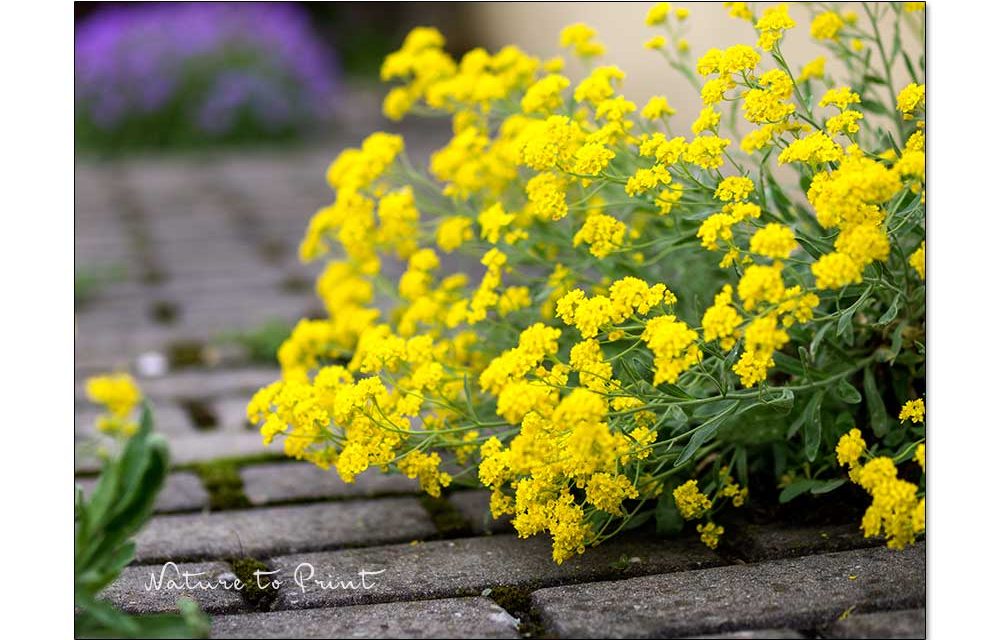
(181, 491)
(755, 542)
(468, 566)
(280, 530)
(800, 593)
(449, 618)
(156, 588)
(908, 623)
(291, 481)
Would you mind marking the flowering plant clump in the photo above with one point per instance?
(165, 74)
(663, 311)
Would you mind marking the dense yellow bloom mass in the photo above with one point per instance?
(497, 312)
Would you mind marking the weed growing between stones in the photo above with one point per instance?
(662, 311)
(105, 524)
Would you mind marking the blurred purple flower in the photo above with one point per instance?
(219, 61)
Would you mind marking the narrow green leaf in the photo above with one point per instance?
(827, 487)
(891, 313)
(704, 433)
(847, 392)
(797, 488)
(813, 425)
(879, 421)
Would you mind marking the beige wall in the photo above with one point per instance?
(535, 27)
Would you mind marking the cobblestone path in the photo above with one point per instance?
(207, 245)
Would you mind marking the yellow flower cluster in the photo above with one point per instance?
(898, 508)
(564, 202)
(119, 395)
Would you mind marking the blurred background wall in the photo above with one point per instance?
(129, 59)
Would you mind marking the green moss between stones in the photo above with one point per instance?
(446, 518)
(257, 596)
(224, 485)
(518, 602)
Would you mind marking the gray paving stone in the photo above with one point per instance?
(231, 413)
(289, 481)
(799, 593)
(757, 633)
(475, 508)
(169, 418)
(212, 445)
(269, 531)
(766, 542)
(156, 588)
(451, 618)
(203, 383)
(467, 566)
(909, 623)
(182, 491)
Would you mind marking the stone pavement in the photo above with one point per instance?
(206, 245)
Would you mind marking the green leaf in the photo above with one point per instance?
(879, 421)
(783, 402)
(891, 313)
(674, 417)
(845, 321)
(704, 433)
(815, 343)
(847, 392)
(827, 487)
(669, 520)
(797, 488)
(813, 425)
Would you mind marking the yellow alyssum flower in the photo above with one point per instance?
(813, 70)
(545, 96)
(771, 25)
(424, 467)
(691, 503)
(657, 107)
(580, 37)
(721, 320)
(913, 410)
(836, 270)
(814, 149)
(119, 395)
(606, 492)
(733, 189)
(706, 151)
(710, 534)
(919, 455)
(850, 448)
(492, 221)
(774, 240)
(547, 197)
(673, 345)
(910, 99)
(826, 25)
(739, 10)
(845, 122)
(603, 234)
(592, 158)
(840, 97)
(917, 260)
(453, 232)
(657, 14)
(761, 284)
(655, 43)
